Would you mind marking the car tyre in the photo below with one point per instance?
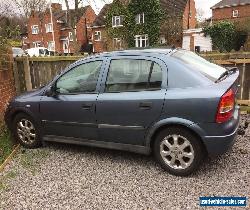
(178, 151)
(26, 131)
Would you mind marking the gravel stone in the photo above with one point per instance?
(72, 177)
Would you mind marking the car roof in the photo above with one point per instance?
(153, 51)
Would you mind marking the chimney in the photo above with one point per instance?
(56, 7)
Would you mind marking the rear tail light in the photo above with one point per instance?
(226, 107)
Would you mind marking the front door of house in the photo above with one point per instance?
(66, 46)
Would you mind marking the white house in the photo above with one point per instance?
(194, 40)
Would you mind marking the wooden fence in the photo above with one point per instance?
(239, 59)
(33, 72)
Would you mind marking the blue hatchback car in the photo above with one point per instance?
(167, 101)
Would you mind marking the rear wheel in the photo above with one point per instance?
(178, 151)
(26, 131)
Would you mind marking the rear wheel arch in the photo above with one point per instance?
(175, 125)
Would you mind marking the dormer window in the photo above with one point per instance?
(49, 28)
(235, 13)
(34, 29)
(139, 18)
(117, 21)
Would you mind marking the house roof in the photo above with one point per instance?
(230, 3)
(100, 19)
(173, 7)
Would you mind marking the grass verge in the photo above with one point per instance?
(6, 144)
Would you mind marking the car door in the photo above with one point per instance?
(131, 99)
(71, 112)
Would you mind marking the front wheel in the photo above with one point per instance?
(178, 151)
(26, 131)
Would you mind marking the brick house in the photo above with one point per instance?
(233, 10)
(237, 11)
(53, 32)
(184, 9)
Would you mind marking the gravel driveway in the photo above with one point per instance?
(73, 177)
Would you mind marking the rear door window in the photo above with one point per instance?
(133, 75)
(197, 63)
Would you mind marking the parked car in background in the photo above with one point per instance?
(38, 51)
(167, 101)
(17, 51)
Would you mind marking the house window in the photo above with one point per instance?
(117, 43)
(51, 46)
(141, 40)
(37, 44)
(117, 21)
(235, 13)
(98, 36)
(49, 28)
(70, 36)
(35, 29)
(139, 19)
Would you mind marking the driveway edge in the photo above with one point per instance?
(9, 158)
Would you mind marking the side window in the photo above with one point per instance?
(133, 75)
(81, 79)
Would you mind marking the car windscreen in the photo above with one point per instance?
(197, 63)
(17, 51)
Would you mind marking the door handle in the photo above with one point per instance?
(87, 106)
(145, 105)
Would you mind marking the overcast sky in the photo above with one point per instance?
(201, 4)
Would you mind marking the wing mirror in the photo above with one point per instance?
(51, 91)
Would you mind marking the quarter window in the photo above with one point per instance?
(81, 79)
(133, 75)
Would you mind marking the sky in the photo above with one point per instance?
(204, 5)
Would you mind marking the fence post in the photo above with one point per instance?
(243, 80)
(16, 78)
(26, 66)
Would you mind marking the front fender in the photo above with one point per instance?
(170, 122)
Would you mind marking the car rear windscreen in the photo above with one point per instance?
(197, 63)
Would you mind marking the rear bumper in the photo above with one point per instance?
(218, 138)
(217, 145)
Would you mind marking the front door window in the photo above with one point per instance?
(82, 79)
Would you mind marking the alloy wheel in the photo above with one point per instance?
(176, 151)
(26, 131)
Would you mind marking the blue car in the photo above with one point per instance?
(167, 101)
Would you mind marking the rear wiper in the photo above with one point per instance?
(229, 71)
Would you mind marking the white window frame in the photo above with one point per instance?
(37, 44)
(116, 42)
(140, 18)
(49, 28)
(119, 19)
(139, 41)
(71, 39)
(99, 34)
(34, 29)
(236, 13)
(53, 46)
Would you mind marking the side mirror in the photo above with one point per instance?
(50, 92)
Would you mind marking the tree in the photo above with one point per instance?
(223, 35)
(172, 28)
(27, 6)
